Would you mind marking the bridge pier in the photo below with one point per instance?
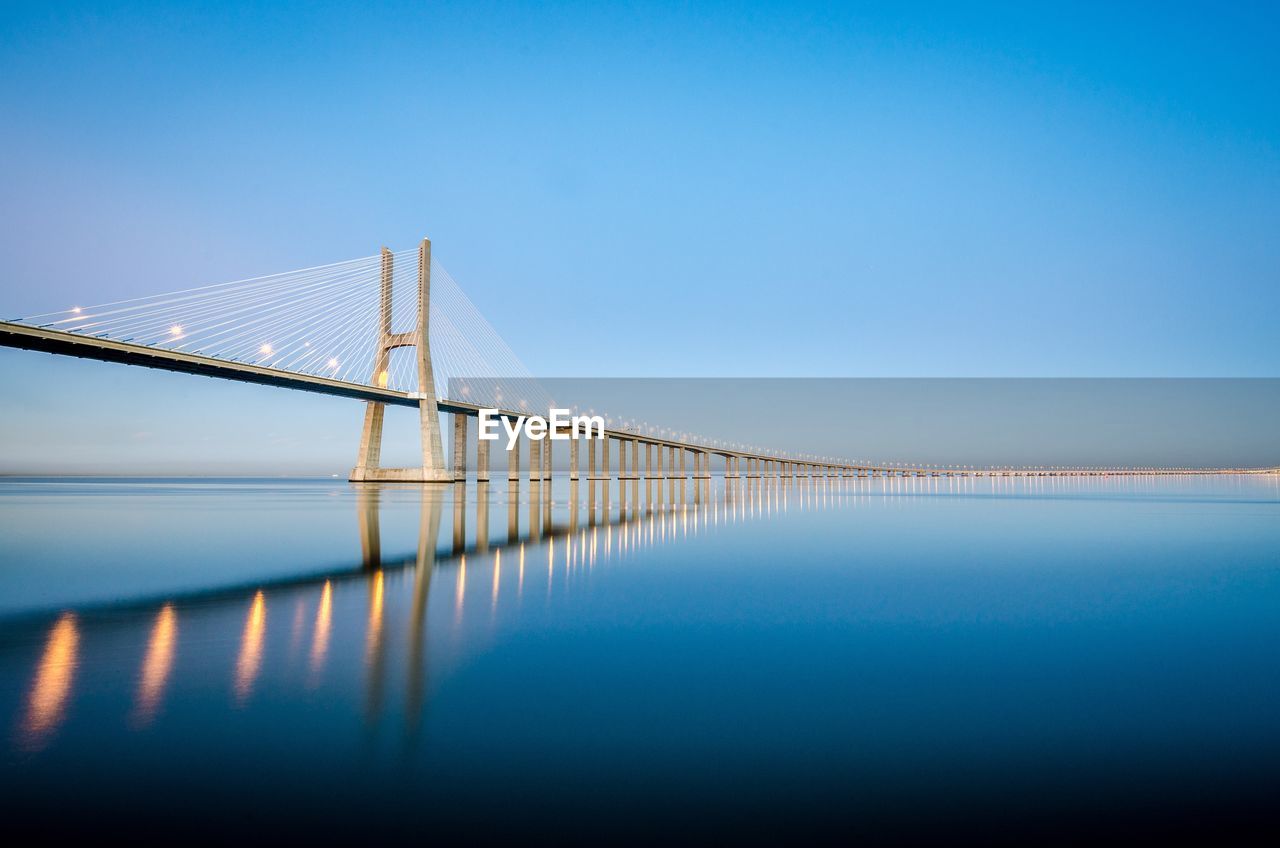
(368, 466)
(513, 463)
(459, 447)
(701, 465)
(622, 459)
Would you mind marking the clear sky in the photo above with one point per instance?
(653, 189)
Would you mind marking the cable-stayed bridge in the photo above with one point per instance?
(396, 329)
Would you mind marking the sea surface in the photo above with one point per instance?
(937, 659)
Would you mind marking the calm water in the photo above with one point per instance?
(933, 658)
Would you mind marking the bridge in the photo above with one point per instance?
(332, 330)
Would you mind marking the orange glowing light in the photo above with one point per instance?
(47, 702)
(373, 638)
(156, 666)
(324, 618)
(250, 659)
(461, 586)
(383, 376)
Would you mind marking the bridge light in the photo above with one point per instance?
(383, 376)
(333, 363)
(265, 350)
(176, 331)
(75, 310)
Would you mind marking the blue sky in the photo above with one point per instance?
(659, 189)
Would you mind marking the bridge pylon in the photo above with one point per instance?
(369, 461)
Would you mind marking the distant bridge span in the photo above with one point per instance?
(670, 454)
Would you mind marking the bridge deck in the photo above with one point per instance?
(29, 337)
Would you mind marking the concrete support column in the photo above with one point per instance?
(648, 460)
(535, 460)
(482, 460)
(604, 457)
(635, 458)
(622, 459)
(592, 472)
(546, 457)
(459, 446)
(661, 451)
(682, 453)
(513, 462)
(573, 459)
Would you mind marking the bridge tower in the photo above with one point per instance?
(369, 461)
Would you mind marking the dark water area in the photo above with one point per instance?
(902, 660)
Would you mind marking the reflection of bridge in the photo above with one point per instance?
(551, 545)
(545, 546)
(313, 330)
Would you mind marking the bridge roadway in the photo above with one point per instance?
(29, 337)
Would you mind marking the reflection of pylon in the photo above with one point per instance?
(368, 462)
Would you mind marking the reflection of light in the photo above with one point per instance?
(497, 576)
(375, 616)
(176, 331)
(156, 666)
(75, 310)
(520, 582)
(251, 647)
(46, 705)
(320, 641)
(462, 585)
(333, 363)
(265, 350)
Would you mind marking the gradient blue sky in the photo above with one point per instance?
(657, 189)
